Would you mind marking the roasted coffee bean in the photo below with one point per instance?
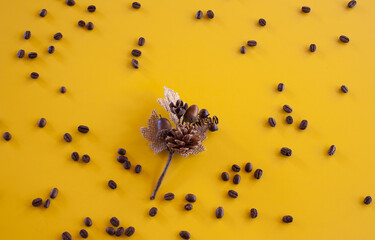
(344, 39)
(210, 14)
(141, 41)
(27, 35)
(51, 49)
(253, 213)
(21, 53)
(169, 196)
(258, 173)
(138, 169)
(252, 43)
(287, 219)
(83, 233)
(236, 179)
(153, 211)
(232, 194)
(352, 4)
(42, 122)
(83, 129)
(306, 9)
(243, 50)
(43, 13)
(66, 236)
(287, 109)
(119, 231)
(7, 136)
(280, 87)
(90, 26)
(136, 53)
(367, 200)
(47, 203)
(86, 158)
(121, 151)
(53, 193)
(127, 165)
(191, 198)
(110, 230)
(248, 167)
(262, 22)
(236, 168)
(122, 159)
(88, 222)
(70, 2)
(68, 137)
(114, 221)
(199, 14)
(135, 63)
(81, 23)
(188, 207)
(344, 89)
(129, 231)
(303, 124)
(37, 202)
(312, 47)
(75, 156)
(185, 235)
(112, 184)
(33, 55)
(91, 8)
(63, 89)
(225, 176)
(136, 5)
(289, 119)
(331, 150)
(272, 122)
(219, 212)
(58, 36)
(286, 151)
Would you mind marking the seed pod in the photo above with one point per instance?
(203, 113)
(163, 126)
(191, 114)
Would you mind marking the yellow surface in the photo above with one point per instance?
(200, 59)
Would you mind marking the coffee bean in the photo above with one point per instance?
(58, 36)
(272, 122)
(185, 235)
(83, 129)
(119, 231)
(51, 49)
(236, 168)
(306, 9)
(136, 53)
(303, 124)
(312, 47)
(83, 233)
(88, 222)
(169, 196)
(344, 89)
(236, 179)
(344, 39)
(37, 202)
(225, 176)
(86, 158)
(367, 200)
(121, 151)
(33, 55)
(331, 150)
(129, 231)
(188, 207)
(91, 8)
(75, 156)
(70, 2)
(43, 13)
(53, 193)
(112, 184)
(153, 211)
(136, 5)
(262, 22)
(42, 122)
(287, 219)
(138, 169)
(253, 213)
(90, 26)
(287, 109)
(114, 221)
(81, 23)
(248, 167)
(63, 89)
(289, 119)
(199, 14)
(27, 35)
(280, 87)
(7, 136)
(191, 198)
(135, 63)
(127, 165)
(243, 50)
(21, 53)
(286, 151)
(232, 194)
(68, 137)
(66, 236)
(141, 41)
(47, 203)
(210, 14)
(122, 159)
(252, 43)
(258, 173)
(352, 4)
(219, 212)
(110, 230)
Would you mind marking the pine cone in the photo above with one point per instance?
(179, 108)
(184, 139)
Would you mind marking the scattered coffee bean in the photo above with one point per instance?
(306, 9)
(331, 150)
(33, 55)
(119, 231)
(136, 5)
(110, 230)
(219, 212)
(236, 168)
(42, 122)
(138, 169)
(199, 14)
(141, 41)
(7, 136)
(287, 219)
(83, 233)
(225, 176)
(129, 231)
(75, 156)
(66, 236)
(51, 49)
(43, 13)
(91, 8)
(112, 184)
(352, 4)
(258, 173)
(188, 207)
(286, 151)
(232, 194)
(47, 203)
(287, 109)
(252, 43)
(153, 211)
(53, 193)
(83, 129)
(122, 159)
(280, 87)
(21, 53)
(127, 164)
(81, 23)
(262, 22)
(90, 26)
(135, 63)
(121, 151)
(68, 137)
(114, 221)
(344, 39)
(253, 213)
(86, 158)
(303, 124)
(63, 89)
(289, 119)
(236, 179)
(169, 196)
(58, 36)
(210, 14)
(367, 200)
(136, 53)
(272, 122)
(248, 167)
(243, 50)
(88, 222)
(185, 235)
(27, 35)
(191, 198)
(344, 89)
(37, 202)
(312, 47)
(70, 2)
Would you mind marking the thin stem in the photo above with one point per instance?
(162, 175)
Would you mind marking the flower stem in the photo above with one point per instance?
(162, 175)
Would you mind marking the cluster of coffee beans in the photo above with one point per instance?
(83, 232)
(39, 201)
(125, 161)
(120, 230)
(137, 53)
(90, 25)
(210, 14)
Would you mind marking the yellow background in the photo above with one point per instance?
(200, 60)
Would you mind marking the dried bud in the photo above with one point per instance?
(163, 126)
(179, 108)
(191, 114)
(213, 127)
(203, 113)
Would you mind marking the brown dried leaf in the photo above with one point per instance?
(150, 132)
(170, 97)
